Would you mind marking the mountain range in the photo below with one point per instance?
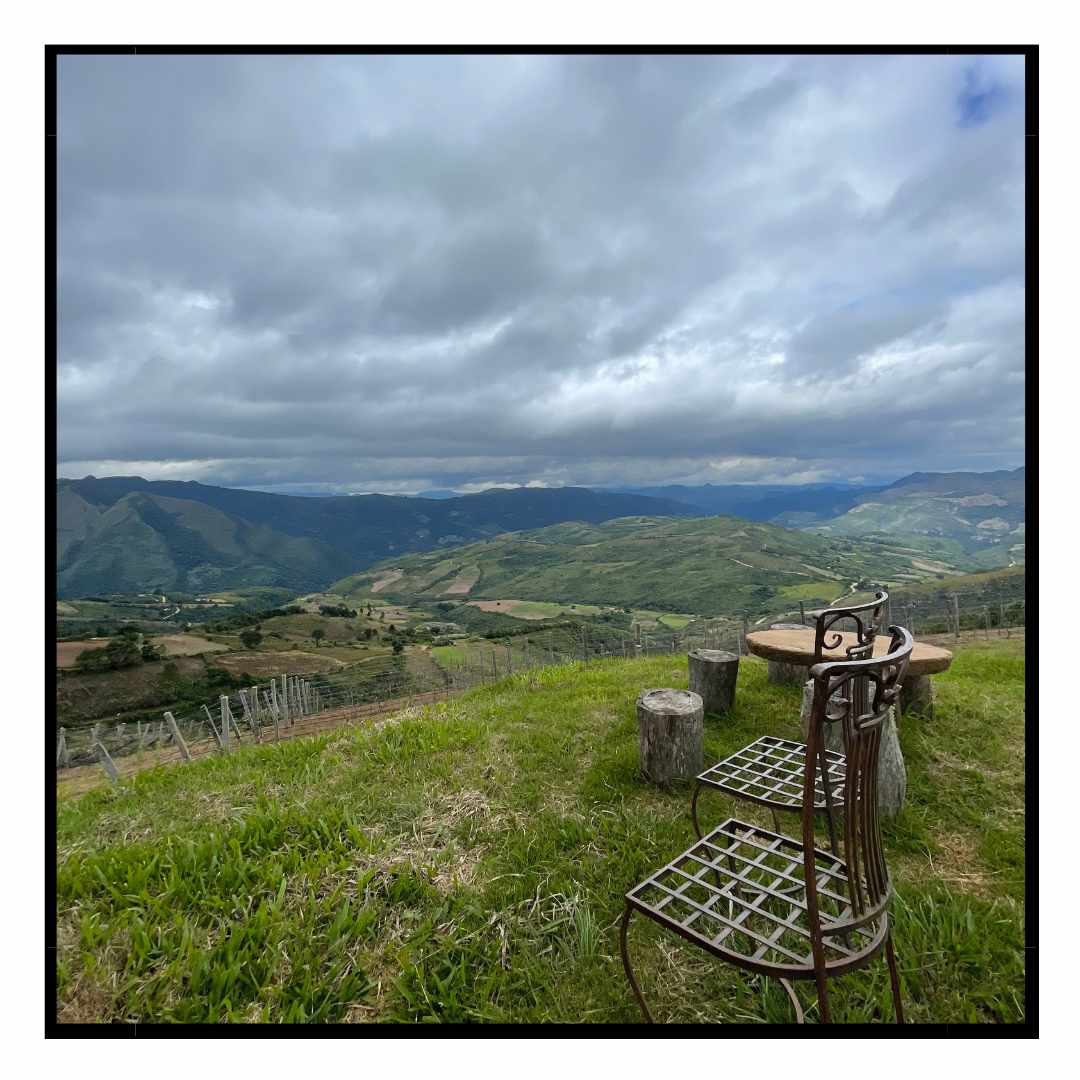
(127, 534)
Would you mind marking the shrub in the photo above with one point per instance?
(121, 652)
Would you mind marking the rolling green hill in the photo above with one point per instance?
(982, 514)
(712, 565)
(126, 534)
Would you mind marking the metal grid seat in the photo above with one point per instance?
(740, 894)
(771, 772)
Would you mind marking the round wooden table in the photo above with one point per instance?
(791, 650)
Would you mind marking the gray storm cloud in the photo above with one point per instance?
(395, 272)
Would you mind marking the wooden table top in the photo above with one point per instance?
(796, 646)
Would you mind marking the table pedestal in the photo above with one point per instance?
(786, 674)
(892, 773)
(917, 695)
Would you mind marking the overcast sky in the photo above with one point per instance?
(395, 273)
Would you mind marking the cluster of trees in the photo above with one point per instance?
(125, 650)
(338, 611)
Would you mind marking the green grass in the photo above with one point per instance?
(468, 862)
(814, 591)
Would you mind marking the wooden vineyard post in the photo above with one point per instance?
(246, 709)
(184, 752)
(254, 697)
(956, 614)
(213, 728)
(61, 749)
(226, 738)
(271, 707)
(284, 699)
(670, 735)
(106, 761)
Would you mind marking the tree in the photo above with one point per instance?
(251, 639)
(398, 646)
(318, 634)
(151, 653)
(121, 652)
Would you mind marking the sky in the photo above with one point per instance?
(397, 273)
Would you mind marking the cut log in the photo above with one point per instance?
(892, 773)
(713, 674)
(671, 732)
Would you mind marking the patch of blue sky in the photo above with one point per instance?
(981, 98)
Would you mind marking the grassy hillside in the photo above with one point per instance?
(468, 862)
(982, 513)
(126, 534)
(710, 565)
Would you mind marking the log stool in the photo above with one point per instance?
(671, 731)
(713, 674)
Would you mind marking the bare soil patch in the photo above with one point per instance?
(464, 582)
(187, 644)
(67, 652)
(387, 579)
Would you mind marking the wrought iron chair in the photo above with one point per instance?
(778, 906)
(770, 771)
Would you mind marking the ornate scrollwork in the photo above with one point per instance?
(865, 631)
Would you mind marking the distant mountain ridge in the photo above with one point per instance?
(982, 514)
(128, 534)
(779, 504)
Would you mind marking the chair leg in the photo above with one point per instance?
(823, 998)
(693, 808)
(800, 1017)
(894, 977)
(626, 964)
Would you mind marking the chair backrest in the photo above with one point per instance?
(866, 618)
(857, 694)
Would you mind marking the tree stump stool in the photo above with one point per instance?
(713, 674)
(892, 773)
(671, 729)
